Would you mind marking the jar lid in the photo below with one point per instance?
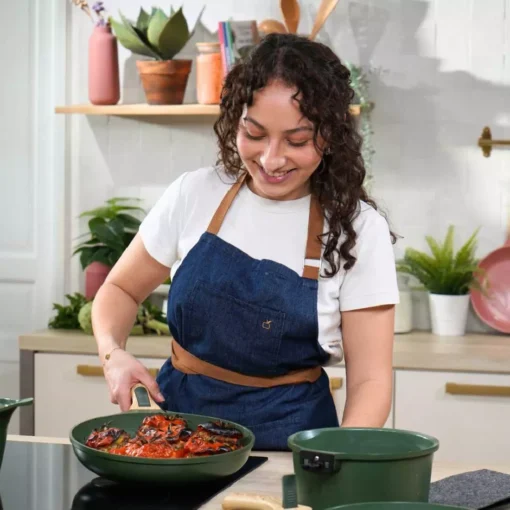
(211, 44)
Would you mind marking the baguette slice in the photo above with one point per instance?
(252, 501)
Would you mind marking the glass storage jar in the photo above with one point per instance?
(209, 73)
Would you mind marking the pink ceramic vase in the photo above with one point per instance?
(104, 86)
(95, 275)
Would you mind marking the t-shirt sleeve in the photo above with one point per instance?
(160, 229)
(372, 281)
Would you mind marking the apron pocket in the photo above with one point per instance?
(234, 334)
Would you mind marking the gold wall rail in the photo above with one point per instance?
(485, 142)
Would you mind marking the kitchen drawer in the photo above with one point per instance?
(70, 388)
(468, 413)
(337, 383)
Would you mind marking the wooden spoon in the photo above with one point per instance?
(271, 26)
(291, 14)
(325, 9)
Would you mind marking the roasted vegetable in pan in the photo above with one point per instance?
(162, 436)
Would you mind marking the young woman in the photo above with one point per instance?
(280, 262)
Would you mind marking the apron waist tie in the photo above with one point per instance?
(187, 363)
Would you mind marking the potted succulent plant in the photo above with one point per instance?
(448, 278)
(161, 38)
(111, 229)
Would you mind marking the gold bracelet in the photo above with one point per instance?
(108, 355)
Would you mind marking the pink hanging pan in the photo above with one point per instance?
(493, 307)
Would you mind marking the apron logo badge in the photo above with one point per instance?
(266, 324)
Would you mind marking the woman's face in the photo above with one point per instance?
(275, 143)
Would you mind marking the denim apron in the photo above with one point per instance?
(252, 317)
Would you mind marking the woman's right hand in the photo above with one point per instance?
(122, 371)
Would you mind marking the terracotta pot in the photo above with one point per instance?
(164, 81)
(95, 275)
(103, 70)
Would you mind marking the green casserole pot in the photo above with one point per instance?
(339, 466)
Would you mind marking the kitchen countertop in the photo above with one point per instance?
(50, 474)
(55, 473)
(420, 350)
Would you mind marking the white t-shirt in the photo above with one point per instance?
(274, 230)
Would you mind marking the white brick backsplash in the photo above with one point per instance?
(445, 73)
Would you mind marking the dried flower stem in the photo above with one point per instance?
(84, 6)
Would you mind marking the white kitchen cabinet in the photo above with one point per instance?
(70, 388)
(337, 379)
(462, 410)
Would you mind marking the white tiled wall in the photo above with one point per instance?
(443, 74)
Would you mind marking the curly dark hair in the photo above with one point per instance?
(324, 94)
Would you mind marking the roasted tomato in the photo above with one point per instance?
(213, 438)
(161, 426)
(198, 446)
(106, 438)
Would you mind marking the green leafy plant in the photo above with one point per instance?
(444, 271)
(360, 83)
(111, 229)
(150, 320)
(154, 35)
(67, 315)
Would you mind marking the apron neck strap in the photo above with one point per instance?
(221, 212)
(315, 228)
(313, 243)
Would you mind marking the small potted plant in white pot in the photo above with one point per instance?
(160, 38)
(448, 277)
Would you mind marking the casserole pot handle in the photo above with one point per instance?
(319, 462)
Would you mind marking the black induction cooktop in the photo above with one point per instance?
(39, 476)
(101, 494)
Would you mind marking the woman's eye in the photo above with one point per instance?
(253, 137)
(298, 144)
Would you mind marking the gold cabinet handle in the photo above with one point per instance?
(96, 371)
(335, 383)
(478, 390)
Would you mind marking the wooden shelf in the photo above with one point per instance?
(130, 110)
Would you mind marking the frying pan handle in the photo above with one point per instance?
(141, 398)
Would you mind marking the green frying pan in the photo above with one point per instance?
(156, 471)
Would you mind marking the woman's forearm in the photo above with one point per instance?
(367, 405)
(113, 315)
(368, 348)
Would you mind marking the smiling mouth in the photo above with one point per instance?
(277, 174)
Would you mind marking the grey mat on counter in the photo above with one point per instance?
(475, 489)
